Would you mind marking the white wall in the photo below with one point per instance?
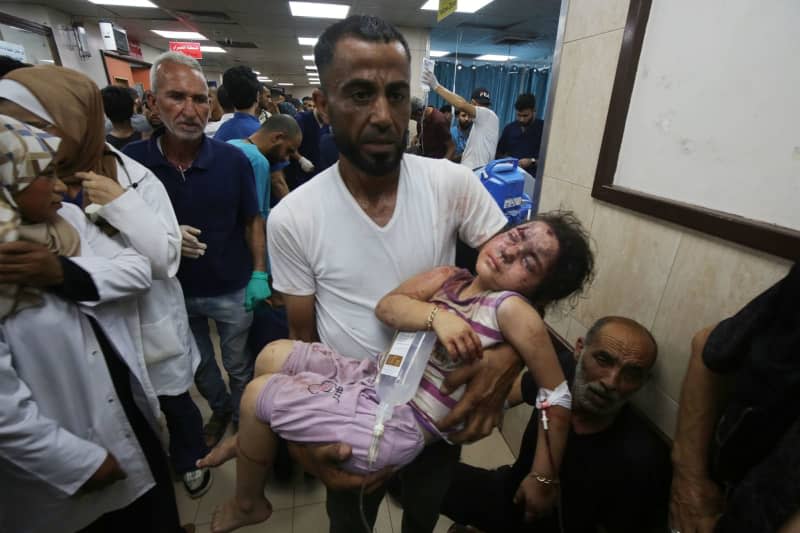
(92, 66)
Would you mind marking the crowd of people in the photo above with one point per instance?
(307, 234)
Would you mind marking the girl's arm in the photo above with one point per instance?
(407, 308)
(524, 329)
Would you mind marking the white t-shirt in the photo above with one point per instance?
(481, 144)
(321, 242)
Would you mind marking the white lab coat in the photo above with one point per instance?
(146, 222)
(59, 412)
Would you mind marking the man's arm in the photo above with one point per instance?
(256, 236)
(279, 186)
(451, 98)
(695, 501)
(450, 148)
(301, 316)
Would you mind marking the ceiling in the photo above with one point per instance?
(271, 27)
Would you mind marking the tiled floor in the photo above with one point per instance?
(300, 508)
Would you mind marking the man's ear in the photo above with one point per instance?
(151, 100)
(578, 348)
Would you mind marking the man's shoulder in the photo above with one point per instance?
(136, 150)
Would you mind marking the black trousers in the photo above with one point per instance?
(185, 425)
(424, 483)
(156, 511)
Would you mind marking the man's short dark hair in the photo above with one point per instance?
(7, 64)
(573, 268)
(117, 103)
(242, 85)
(446, 108)
(281, 123)
(362, 27)
(525, 101)
(224, 100)
(307, 99)
(591, 335)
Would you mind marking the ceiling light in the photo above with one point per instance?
(213, 50)
(46, 61)
(311, 67)
(308, 58)
(307, 41)
(438, 53)
(317, 10)
(191, 35)
(314, 83)
(493, 57)
(286, 84)
(464, 6)
(263, 78)
(257, 73)
(124, 3)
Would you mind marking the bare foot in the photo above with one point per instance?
(230, 515)
(223, 452)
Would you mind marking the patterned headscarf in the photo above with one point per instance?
(26, 153)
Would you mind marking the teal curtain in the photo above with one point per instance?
(503, 82)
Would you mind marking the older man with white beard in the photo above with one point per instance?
(615, 472)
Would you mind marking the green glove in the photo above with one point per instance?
(257, 291)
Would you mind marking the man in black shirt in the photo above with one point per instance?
(616, 470)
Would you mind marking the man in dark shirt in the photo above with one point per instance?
(313, 126)
(212, 189)
(242, 88)
(433, 131)
(615, 472)
(737, 445)
(521, 138)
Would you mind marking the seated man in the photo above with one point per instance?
(736, 458)
(615, 471)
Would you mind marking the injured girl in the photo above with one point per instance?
(308, 393)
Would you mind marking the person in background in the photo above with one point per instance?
(433, 131)
(274, 142)
(736, 454)
(7, 64)
(328, 151)
(521, 139)
(460, 132)
(447, 111)
(128, 202)
(279, 99)
(223, 270)
(118, 106)
(213, 102)
(308, 103)
(227, 111)
(482, 142)
(78, 417)
(151, 114)
(609, 446)
(359, 236)
(139, 120)
(242, 87)
(313, 125)
(265, 106)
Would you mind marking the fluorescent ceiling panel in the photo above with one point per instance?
(319, 10)
(257, 73)
(286, 84)
(438, 53)
(311, 67)
(191, 35)
(213, 50)
(493, 57)
(314, 83)
(308, 58)
(464, 6)
(124, 3)
(307, 41)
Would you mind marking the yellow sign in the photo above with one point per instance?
(446, 8)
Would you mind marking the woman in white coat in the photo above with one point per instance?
(78, 442)
(131, 204)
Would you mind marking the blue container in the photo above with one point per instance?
(505, 181)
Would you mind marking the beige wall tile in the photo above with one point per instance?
(491, 452)
(633, 260)
(591, 17)
(659, 407)
(576, 329)
(311, 518)
(560, 194)
(710, 280)
(515, 421)
(558, 318)
(580, 107)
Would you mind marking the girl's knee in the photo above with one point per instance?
(273, 356)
